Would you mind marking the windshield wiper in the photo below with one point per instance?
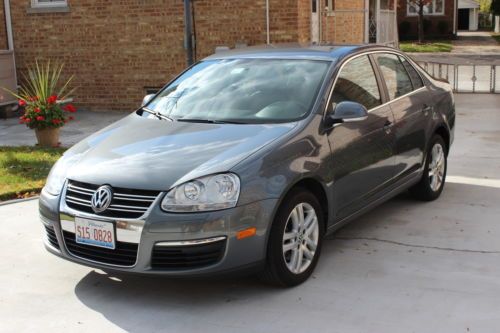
(209, 121)
(157, 114)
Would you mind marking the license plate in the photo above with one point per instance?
(95, 233)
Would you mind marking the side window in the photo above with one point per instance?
(357, 83)
(414, 76)
(396, 78)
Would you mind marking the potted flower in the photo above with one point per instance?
(45, 102)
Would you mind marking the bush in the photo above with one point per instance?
(427, 26)
(443, 27)
(404, 28)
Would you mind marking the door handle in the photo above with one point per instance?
(388, 126)
(426, 109)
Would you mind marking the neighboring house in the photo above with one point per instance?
(468, 15)
(120, 50)
(440, 19)
(7, 64)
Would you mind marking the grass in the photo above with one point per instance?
(23, 170)
(430, 47)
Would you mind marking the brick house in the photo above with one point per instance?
(440, 20)
(119, 50)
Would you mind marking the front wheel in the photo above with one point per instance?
(295, 240)
(432, 183)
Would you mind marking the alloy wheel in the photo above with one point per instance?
(300, 239)
(437, 167)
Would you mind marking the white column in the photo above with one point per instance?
(377, 19)
(367, 21)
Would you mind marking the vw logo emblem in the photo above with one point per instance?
(101, 199)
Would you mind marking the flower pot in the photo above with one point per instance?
(48, 137)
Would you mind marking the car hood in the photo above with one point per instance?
(144, 153)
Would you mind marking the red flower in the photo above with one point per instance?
(33, 99)
(22, 102)
(56, 121)
(70, 108)
(37, 110)
(40, 118)
(71, 118)
(52, 99)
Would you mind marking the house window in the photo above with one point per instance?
(435, 7)
(48, 3)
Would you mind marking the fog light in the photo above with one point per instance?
(246, 233)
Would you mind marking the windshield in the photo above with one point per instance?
(243, 91)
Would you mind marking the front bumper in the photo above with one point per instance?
(159, 227)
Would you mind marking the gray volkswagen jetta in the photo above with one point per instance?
(247, 159)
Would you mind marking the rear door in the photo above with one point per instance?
(407, 95)
(363, 152)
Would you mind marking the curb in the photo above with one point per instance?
(11, 202)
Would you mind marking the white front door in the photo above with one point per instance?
(315, 21)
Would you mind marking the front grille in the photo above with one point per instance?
(51, 236)
(125, 254)
(126, 203)
(187, 257)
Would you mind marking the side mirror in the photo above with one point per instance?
(347, 112)
(147, 98)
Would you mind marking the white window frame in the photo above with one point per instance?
(51, 4)
(441, 13)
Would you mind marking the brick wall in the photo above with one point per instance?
(346, 25)
(3, 28)
(434, 31)
(116, 48)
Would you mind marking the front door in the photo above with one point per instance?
(408, 97)
(315, 21)
(463, 19)
(363, 152)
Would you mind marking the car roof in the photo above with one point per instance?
(297, 51)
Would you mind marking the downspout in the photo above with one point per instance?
(455, 14)
(8, 23)
(10, 38)
(268, 30)
(188, 32)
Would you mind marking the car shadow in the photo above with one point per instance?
(142, 303)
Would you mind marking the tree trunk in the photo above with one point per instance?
(420, 23)
(497, 23)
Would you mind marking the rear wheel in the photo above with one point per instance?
(295, 240)
(433, 179)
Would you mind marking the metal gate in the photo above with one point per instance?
(467, 78)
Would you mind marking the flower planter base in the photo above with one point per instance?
(48, 137)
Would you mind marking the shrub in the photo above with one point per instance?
(404, 28)
(427, 26)
(443, 27)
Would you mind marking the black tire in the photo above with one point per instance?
(276, 271)
(423, 190)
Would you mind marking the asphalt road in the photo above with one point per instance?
(404, 267)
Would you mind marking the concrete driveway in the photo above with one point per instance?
(405, 267)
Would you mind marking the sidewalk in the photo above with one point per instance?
(471, 48)
(14, 134)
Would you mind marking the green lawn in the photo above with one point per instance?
(23, 170)
(431, 47)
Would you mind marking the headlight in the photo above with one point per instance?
(204, 194)
(57, 175)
